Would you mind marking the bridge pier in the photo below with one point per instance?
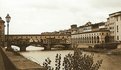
(9, 48)
(67, 46)
(47, 47)
(22, 48)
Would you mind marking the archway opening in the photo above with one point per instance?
(107, 39)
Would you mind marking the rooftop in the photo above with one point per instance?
(96, 24)
(115, 14)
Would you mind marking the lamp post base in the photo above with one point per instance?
(9, 48)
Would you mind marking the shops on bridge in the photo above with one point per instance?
(46, 41)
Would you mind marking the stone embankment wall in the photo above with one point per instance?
(14, 61)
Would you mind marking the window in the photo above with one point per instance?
(111, 27)
(102, 41)
(117, 37)
(102, 33)
(117, 18)
(117, 28)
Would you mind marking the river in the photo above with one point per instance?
(36, 54)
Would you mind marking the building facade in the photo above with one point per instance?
(2, 32)
(114, 25)
(103, 32)
(90, 34)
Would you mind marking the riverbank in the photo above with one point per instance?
(116, 52)
(14, 61)
(105, 51)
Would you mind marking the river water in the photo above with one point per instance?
(36, 54)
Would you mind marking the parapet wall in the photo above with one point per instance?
(18, 62)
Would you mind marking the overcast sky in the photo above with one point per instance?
(36, 16)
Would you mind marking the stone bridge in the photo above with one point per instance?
(46, 41)
(23, 43)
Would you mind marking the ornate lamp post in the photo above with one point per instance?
(8, 18)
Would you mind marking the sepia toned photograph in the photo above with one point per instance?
(60, 34)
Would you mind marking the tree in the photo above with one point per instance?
(76, 61)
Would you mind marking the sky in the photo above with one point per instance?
(37, 16)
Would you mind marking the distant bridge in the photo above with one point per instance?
(46, 41)
(51, 43)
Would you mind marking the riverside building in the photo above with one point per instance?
(103, 32)
(113, 24)
(89, 34)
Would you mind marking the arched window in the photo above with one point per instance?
(89, 39)
(85, 39)
(92, 39)
(106, 39)
(82, 39)
(97, 39)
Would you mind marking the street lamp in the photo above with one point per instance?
(8, 18)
